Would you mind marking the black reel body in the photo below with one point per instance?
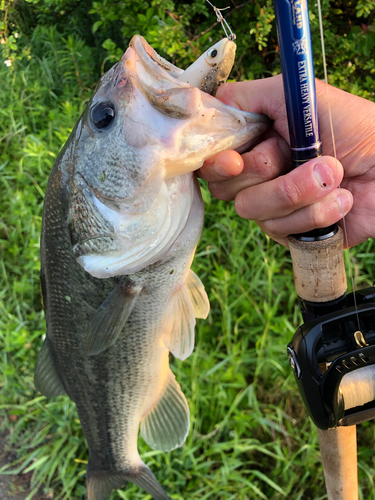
(325, 349)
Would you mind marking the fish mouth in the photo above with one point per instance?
(192, 110)
(157, 80)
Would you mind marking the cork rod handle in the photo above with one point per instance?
(319, 275)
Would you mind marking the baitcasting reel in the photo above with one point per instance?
(326, 349)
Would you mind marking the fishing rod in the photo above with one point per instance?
(333, 353)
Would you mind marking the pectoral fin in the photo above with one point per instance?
(198, 296)
(166, 425)
(189, 302)
(179, 327)
(46, 379)
(110, 318)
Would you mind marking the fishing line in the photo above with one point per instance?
(221, 19)
(358, 387)
(346, 239)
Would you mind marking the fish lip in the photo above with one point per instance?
(256, 118)
(144, 49)
(251, 118)
(154, 64)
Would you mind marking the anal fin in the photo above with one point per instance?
(46, 378)
(166, 426)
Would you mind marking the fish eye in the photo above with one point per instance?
(102, 115)
(212, 53)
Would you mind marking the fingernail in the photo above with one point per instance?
(323, 175)
(345, 202)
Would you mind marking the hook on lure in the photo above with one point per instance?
(220, 19)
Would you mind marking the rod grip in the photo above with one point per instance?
(338, 448)
(319, 268)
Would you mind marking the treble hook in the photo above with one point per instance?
(220, 19)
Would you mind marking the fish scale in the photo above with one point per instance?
(118, 291)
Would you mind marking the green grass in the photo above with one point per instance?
(250, 435)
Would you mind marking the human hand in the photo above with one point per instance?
(283, 202)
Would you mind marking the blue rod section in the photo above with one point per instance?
(293, 28)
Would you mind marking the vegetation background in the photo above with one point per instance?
(250, 435)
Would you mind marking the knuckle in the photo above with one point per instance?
(261, 165)
(318, 215)
(219, 192)
(241, 205)
(273, 228)
(265, 160)
(290, 191)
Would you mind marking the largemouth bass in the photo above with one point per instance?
(121, 220)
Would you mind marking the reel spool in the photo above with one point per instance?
(333, 360)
